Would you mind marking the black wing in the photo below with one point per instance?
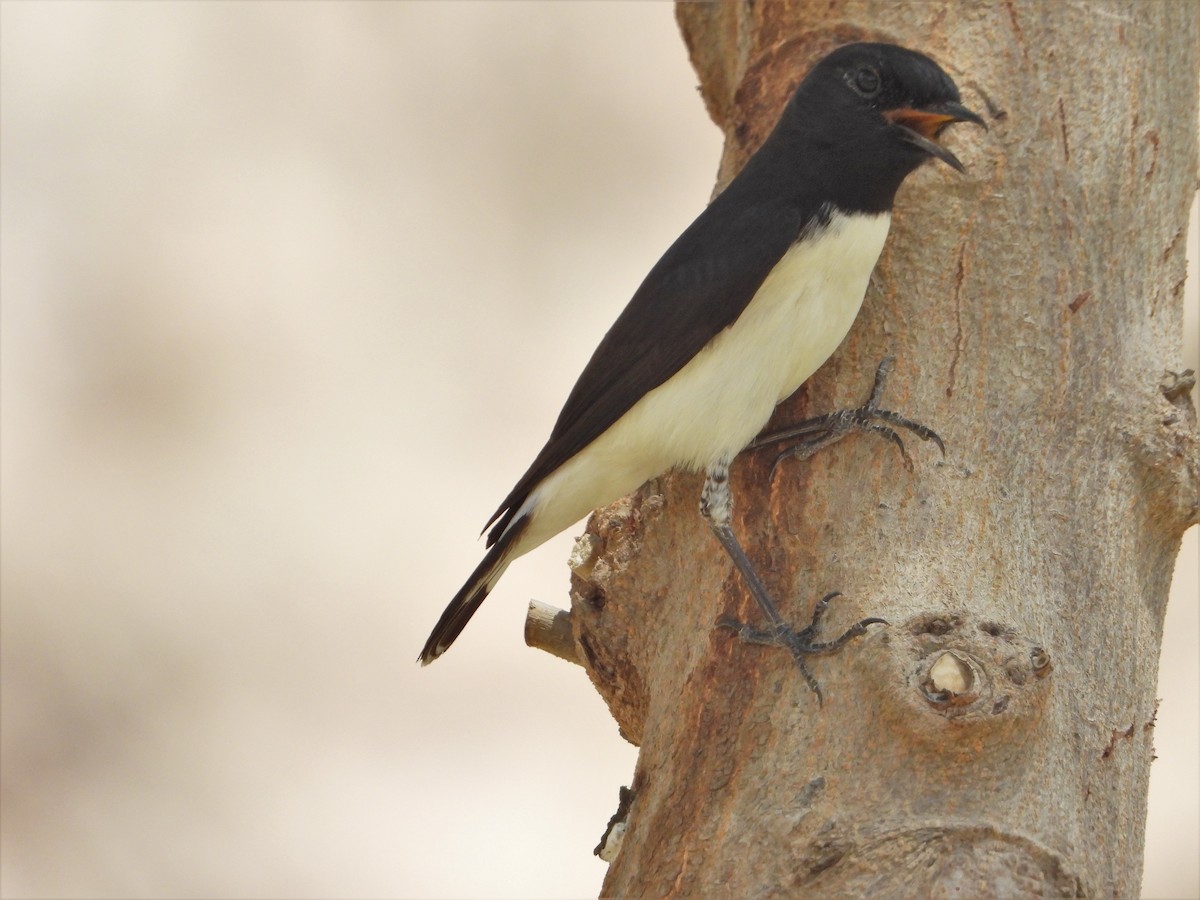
(699, 288)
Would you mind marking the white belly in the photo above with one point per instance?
(717, 403)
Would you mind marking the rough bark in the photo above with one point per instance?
(1034, 308)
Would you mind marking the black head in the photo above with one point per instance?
(868, 115)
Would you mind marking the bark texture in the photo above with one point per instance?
(996, 737)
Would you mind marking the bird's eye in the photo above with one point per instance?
(865, 81)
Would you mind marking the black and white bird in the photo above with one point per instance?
(746, 304)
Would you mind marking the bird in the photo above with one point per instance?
(746, 304)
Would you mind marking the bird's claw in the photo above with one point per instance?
(800, 642)
(813, 434)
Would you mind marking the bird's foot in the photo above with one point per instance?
(800, 643)
(811, 435)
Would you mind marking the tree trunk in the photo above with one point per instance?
(1034, 309)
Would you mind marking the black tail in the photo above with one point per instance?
(473, 593)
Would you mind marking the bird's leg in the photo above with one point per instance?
(716, 505)
(811, 435)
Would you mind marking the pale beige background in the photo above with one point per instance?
(291, 294)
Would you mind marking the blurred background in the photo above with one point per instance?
(291, 294)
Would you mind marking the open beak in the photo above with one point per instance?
(922, 127)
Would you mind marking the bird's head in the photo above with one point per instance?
(865, 117)
(901, 93)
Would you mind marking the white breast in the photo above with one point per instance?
(720, 400)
